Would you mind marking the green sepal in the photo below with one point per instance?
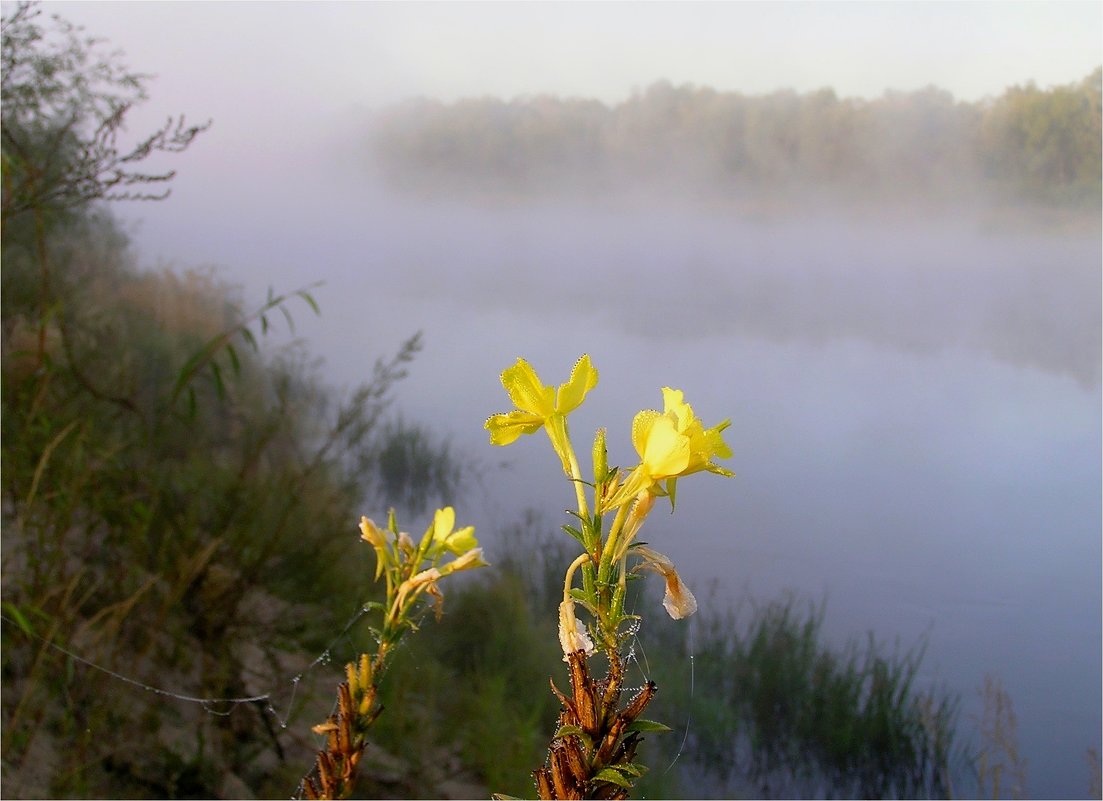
(588, 577)
(591, 532)
(600, 456)
(617, 607)
(372, 606)
(613, 776)
(647, 725)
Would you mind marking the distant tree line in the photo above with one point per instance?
(1028, 144)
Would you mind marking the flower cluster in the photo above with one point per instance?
(412, 572)
(670, 444)
(592, 754)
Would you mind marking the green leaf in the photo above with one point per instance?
(302, 293)
(247, 335)
(633, 768)
(219, 386)
(235, 363)
(287, 316)
(574, 532)
(613, 776)
(18, 617)
(647, 725)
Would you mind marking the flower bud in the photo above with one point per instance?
(600, 457)
(571, 637)
(678, 600)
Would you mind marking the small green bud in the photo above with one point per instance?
(600, 456)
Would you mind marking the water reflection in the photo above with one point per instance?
(1032, 300)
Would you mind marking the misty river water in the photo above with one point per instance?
(915, 404)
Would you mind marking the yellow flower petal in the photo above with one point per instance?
(673, 401)
(539, 404)
(666, 450)
(573, 392)
(444, 520)
(468, 561)
(444, 537)
(505, 428)
(671, 444)
(527, 391)
(371, 534)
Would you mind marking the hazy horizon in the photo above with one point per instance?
(298, 69)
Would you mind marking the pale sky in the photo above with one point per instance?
(359, 53)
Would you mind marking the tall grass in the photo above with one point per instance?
(777, 712)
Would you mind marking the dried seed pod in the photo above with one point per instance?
(543, 784)
(344, 700)
(609, 742)
(627, 750)
(569, 715)
(576, 760)
(562, 779)
(584, 696)
(325, 775)
(639, 701)
(344, 738)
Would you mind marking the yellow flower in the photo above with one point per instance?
(671, 444)
(467, 561)
(539, 405)
(678, 600)
(425, 581)
(444, 537)
(371, 534)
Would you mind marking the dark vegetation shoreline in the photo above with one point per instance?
(1028, 146)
